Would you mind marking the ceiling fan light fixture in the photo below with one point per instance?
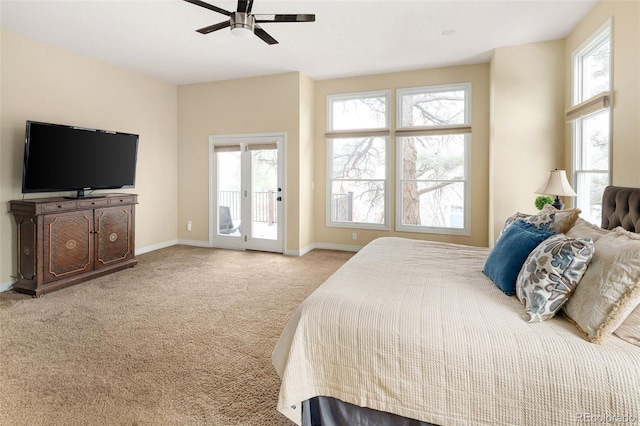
(242, 24)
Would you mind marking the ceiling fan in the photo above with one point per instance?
(244, 24)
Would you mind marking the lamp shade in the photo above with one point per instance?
(556, 184)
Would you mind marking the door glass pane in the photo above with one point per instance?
(264, 187)
(229, 200)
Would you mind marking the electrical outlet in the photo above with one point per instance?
(189, 226)
(354, 236)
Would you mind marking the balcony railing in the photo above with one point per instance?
(265, 208)
(342, 207)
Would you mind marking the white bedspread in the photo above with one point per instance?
(415, 328)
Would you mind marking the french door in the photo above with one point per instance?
(247, 192)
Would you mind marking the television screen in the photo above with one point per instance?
(66, 158)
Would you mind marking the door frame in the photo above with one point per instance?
(280, 138)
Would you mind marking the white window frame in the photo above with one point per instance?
(331, 135)
(583, 109)
(464, 128)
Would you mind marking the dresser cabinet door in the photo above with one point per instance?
(68, 244)
(114, 229)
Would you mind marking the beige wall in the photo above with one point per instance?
(245, 106)
(527, 125)
(626, 84)
(44, 83)
(478, 75)
(307, 184)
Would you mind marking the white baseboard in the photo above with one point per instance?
(6, 286)
(340, 247)
(153, 247)
(165, 244)
(321, 246)
(195, 243)
(298, 253)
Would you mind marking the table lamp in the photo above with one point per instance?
(558, 185)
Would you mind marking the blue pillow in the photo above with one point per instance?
(511, 250)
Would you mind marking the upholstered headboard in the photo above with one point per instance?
(621, 207)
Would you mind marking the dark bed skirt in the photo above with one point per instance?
(327, 411)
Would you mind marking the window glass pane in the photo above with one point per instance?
(595, 141)
(229, 199)
(433, 157)
(591, 133)
(433, 204)
(359, 158)
(359, 113)
(358, 201)
(431, 108)
(590, 188)
(595, 71)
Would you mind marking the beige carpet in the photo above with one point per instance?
(184, 338)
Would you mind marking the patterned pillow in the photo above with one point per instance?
(543, 220)
(551, 273)
(564, 219)
(610, 289)
(629, 330)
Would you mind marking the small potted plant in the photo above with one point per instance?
(542, 200)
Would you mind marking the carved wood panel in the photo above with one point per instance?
(114, 228)
(27, 257)
(68, 244)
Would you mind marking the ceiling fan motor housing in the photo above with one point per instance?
(242, 20)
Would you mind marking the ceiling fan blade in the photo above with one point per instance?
(257, 30)
(285, 18)
(214, 27)
(208, 6)
(245, 6)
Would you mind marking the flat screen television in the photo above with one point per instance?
(66, 158)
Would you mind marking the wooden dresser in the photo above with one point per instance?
(66, 241)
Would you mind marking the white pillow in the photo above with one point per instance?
(585, 229)
(610, 288)
(629, 330)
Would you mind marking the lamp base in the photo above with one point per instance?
(559, 205)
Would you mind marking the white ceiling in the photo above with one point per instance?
(349, 38)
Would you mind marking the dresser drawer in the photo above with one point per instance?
(96, 202)
(59, 206)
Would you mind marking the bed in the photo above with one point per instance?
(413, 332)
